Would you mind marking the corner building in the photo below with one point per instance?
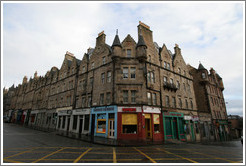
(131, 90)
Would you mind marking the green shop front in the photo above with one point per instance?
(173, 124)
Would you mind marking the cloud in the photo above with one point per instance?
(37, 35)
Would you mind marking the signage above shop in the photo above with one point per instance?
(111, 108)
(129, 109)
(173, 114)
(151, 109)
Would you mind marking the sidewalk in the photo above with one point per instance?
(113, 142)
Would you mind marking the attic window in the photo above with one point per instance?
(128, 53)
(203, 75)
(168, 66)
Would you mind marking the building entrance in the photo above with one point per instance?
(111, 128)
(148, 129)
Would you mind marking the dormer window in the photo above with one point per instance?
(128, 53)
(165, 65)
(103, 60)
(168, 66)
(179, 71)
(203, 75)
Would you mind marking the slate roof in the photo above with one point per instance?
(141, 41)
(201, 67)
(116, 41)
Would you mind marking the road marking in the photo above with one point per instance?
(176, 155)
(214, 157)
(153, 161)
(12, 161)
(75, 161)
(48, 155)
(114, 156)
(20, 153)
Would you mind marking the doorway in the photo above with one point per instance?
(68, 123)
(148, 129)
(80, 125)
(111, 128)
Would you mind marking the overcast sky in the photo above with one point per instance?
(36, 36)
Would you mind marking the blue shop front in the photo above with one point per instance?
(104, 121)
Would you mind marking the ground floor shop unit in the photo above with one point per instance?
(221, 129)
(104, 122)
(206, 127)
(139, 123)
(80, 121)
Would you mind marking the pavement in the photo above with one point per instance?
(25, 145)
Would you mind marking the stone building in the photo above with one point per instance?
(129, 90)
(211, 105)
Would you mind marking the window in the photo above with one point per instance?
(83, 101)
(133, 96)
(148, 77)
(63, 121)
(108, 98)
(89, 101)
(133, 72)
(212, 100)
(83, 69)
(167, 101)
(180, 103)
(186, 103)
(102, 77)
(152, 77)
(125, 96)
(92, 65)
(71, 84)
(156, 118)
(102, 99)
(91, 81)
(149, 98)
(171, 81)
(125, 72)
(75, 119)
(168, 66)
(128, 53)
(165, 64)
(165, 80)
(191, 104)
(86, 124)
(179, 71)
(129, 123)
(203, 75)
(178, 84)
(174, 102)
(154, 99)
(101, 125)
(188, 86)
(109, 76)
(84, 85)
(184, 86)
(103, 60)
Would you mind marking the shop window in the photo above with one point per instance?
(129, 123)
(156, 123)
(101, 125)
(75, 119)
(197, 128)
(87, 119)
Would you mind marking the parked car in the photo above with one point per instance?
(5, 119)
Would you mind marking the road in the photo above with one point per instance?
(24, 145)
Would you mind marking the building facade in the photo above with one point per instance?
(130, 90)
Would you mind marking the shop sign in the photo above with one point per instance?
(195, 118)
(173, 114)
(222, 121)
(63, 112)
(151, 109)
(129, 109)
(187, 117)
(24, 113)
(104, 108)
(81, 111)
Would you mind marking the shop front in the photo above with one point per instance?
(50, 119)
(63, 120)
(19, 116)
(80, 121)
(221, 129)
(33, 118)
(173, 124)
(130, 123)
(191, 128)
(206, 127)
(104, 121)
(153, 127)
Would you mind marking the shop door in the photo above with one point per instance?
(80, 125)
(175, 129)
(148, 131)
(192, 131)
(111, 128)
(68, 123)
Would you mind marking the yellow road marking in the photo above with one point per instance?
(114, 156)
(48, 155)
(176, 155)
(12, 161)
(75, 161)
(214, 157)
(20, 153)
(153, 161)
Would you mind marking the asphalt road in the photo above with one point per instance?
(24, 145)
